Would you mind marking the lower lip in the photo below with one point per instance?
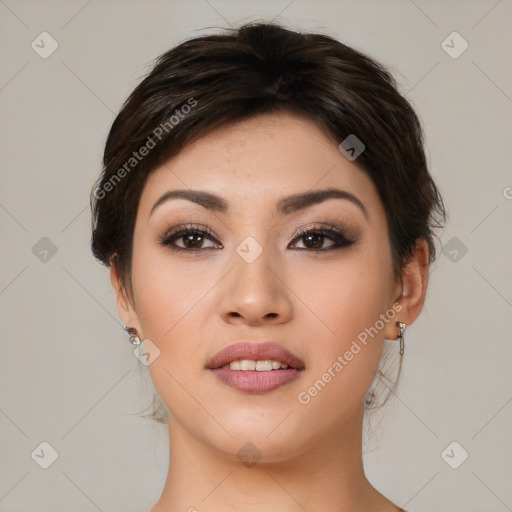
(253, 381)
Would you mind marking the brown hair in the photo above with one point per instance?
(210, 81)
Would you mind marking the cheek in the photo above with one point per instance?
(348, 334)
(168, 296)
(344, 297)
(169, 301)
(173, 301)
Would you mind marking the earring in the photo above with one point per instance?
(134, 335)
(401, 327)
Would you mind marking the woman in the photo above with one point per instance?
(267, 215)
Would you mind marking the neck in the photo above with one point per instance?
(324, 475)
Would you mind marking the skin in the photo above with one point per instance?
(314, 303)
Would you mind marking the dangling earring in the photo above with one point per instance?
(401, 327)
(134, 335)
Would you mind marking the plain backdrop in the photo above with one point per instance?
(68, 376)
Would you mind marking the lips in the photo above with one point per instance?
(255, 352)
(254, 381)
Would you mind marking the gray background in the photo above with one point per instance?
(68, 375)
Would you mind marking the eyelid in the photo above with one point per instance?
(338, 234)
(339, 228)
(186, 227)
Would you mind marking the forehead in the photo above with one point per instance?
(260, 160)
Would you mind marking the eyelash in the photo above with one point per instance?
(333, 233)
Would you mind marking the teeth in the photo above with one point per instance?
(260, 366)
(264, 366)
(247, 364)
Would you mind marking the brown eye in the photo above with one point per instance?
(313, 239)
(191, 239)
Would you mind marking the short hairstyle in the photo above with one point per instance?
(211, 81)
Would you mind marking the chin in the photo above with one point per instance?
(258, 449)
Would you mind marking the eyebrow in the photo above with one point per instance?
(284, 206)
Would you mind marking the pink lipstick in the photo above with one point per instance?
(255, 368)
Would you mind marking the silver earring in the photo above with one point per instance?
(401, 327)
(134, 335)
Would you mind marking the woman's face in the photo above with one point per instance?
(255, 278)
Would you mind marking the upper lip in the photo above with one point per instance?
(256, 352)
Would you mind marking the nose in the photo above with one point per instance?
(256, 293)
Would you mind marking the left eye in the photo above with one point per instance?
(314, 239)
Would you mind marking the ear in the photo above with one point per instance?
(412, 290)
(126, 309)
